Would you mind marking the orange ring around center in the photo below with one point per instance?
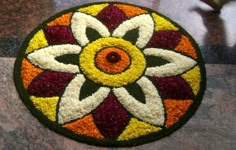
(112, 68)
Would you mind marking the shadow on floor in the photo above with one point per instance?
(215, 49)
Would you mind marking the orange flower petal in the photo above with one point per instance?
(175, 109)
(113, 68)
(28, 72)
(85, 126)
(63, 20)
(130, 11)
(186, 47)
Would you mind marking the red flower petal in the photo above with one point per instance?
(110, 117)
(50, 83)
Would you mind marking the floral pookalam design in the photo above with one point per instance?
(111, 74)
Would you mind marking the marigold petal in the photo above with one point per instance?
(175, 109)
(85, 126)
(193, 77)
(186, 47)
(63, 20)
(163, 24)
(38, 41)
(28, 72)
(136, 129)
(94, 9)
(47, 105)
(131, 11)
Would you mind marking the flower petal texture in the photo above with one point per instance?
(45, 57)
(110, 74)
(151, 112)
(71, 107)
(178, 63)
(80, 22)
(145, 25)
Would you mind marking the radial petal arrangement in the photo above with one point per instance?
(115, 73)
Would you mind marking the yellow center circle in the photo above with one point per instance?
(88, 64)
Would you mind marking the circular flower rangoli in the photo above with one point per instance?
(111, 74)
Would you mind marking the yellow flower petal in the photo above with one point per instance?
(47, 105)
(38, 41)
(162, 24)
(193, 77)
(136, 129)
(94, 9)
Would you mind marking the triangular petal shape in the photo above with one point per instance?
(85, 126)
(63, 20)
(163, 24)
(71, 107)
(47, 105)
(58, 35)
(38, 41)
(111, 16)
(110, 117)
(175, 109)
(152, 111)
(49, 83)
(94, 9)
(193, 77)
(185, 46)
(28, 72)
(45, 58)
(131, 11)
(80, 22)
(145, 25)
(178, 63)
(137, 128)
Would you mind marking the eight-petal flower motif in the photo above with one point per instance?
(111, 62)
(111, 74)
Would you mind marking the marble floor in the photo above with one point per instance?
(213, 125)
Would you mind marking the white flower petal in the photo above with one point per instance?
(71, 107)
(79, 24)
(145, 25)
(178, 63)
(151, 112)
(45, 57)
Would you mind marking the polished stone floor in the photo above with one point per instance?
(212, 127)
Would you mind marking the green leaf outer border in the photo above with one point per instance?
(108, 143)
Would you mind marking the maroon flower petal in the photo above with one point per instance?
(50, 83)
(173, 88)
(110, 117)
(164, 39)
(111, 16)
(59, 35)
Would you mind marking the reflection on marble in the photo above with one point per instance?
(212, 127)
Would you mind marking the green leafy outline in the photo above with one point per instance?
(106, 142)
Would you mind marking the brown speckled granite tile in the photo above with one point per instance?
(212, 127)
(19, 17)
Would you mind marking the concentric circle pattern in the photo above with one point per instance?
(112, 60)
(110, 74)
